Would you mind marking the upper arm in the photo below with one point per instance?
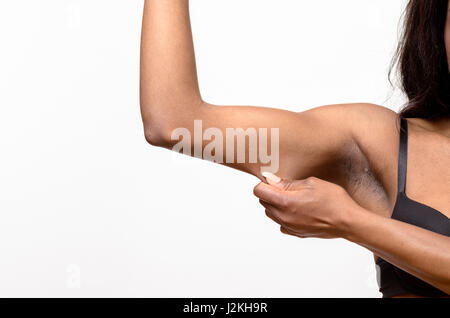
(304, 143)
(300, 144)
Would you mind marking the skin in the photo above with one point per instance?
(351, 150)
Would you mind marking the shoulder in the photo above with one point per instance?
(372, 124)
(362, 121)
(356, 111)
(367, 111)
(373, 120)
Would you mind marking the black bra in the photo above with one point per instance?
(392, 280)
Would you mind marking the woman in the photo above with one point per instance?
(352, 157)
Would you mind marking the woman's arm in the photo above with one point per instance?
(309, 143)
(316, 208)
(420, 252)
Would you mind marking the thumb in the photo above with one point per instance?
(283, 184)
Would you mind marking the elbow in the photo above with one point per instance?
(160, 120)
(154, 124)
(156, 136)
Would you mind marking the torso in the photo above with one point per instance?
(428, 173)
(373, 173)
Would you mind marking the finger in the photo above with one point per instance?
(297, 185)
(285, 230)
(276, 214)
(265, 204)
(287, 184)
(270, 216)
(269, 194)
(271, 178)
(277, 182)
(268, 210)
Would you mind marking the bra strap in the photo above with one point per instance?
(402, 155)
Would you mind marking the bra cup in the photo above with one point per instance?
(421, 215)
(415, 213)
(415, 285)
(395, 281)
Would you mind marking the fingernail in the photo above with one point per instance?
(271, 178)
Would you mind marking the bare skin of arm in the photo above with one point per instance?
(310, 142)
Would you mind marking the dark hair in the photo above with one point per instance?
(421, 60)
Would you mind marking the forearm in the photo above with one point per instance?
(168, 78)
(420, 252)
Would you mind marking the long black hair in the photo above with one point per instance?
(421, 60)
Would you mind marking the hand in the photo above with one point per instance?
(307, 208)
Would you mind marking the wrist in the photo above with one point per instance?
(356, 224)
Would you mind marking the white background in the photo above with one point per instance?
(87, 208)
